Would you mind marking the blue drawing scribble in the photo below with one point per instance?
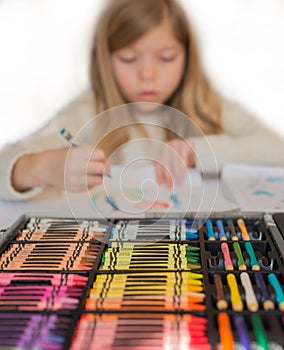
(274, 179)
(263, 193)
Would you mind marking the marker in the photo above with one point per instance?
(236, 300)
(258, 328)
(210, 231)
(227, 258)
(225, 332)
(220, 295)
(234, 236)
(244, 232)
(250, 297)
(222, 234)
(253, 261)
(240, 260)
(242, 331)
(68, 137)
(265, 297)
(278, 290)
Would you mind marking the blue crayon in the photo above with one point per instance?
(191, 230)
(191, 226)
(191, 235)
(210, 231)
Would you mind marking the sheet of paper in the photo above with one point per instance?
(255, 188)
(134, 191)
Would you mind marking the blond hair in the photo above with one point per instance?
(124, 22)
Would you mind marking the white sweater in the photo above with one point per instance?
(244, 140)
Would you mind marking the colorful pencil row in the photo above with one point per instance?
(253, 296)
(250, 333)
(239, 256)
(224, 230)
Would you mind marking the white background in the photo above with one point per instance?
(44, 52)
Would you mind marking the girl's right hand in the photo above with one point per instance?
(84, 168)
(71, 168)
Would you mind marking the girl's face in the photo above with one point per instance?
(151, 68)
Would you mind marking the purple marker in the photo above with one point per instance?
(242, 331)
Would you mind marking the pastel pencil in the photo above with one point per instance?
(240, 259)
(243, 228)
(227, 258)
(221, 229)
(265, 296)
(235, 296)
(220, 295)
(250, 297)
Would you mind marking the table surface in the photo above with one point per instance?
(54, 203)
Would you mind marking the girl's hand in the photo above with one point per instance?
(75, 168)
(174, 159)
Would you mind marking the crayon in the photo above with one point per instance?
(146, 331)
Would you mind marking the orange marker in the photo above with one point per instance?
(225, 332)
(243, 229)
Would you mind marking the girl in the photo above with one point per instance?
(143, 51)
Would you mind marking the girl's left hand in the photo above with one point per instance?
(174, 159)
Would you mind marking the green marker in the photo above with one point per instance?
(261, 338)
(253, 261)
(241, 262)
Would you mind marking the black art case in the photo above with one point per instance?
(156, 283)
